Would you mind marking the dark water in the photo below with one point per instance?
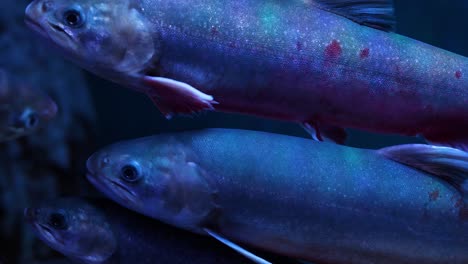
(113, 113)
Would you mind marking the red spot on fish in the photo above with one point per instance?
(458, 74)
(364, 53)
(459, 204)
(214, 30)
(333, 50)
(433, 196)
(299, 46)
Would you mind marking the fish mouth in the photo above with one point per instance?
(42, 31)
(123, 187)
(113, 188)
(11, 133)
(35, 19)
(35, 26)
(61, 30)
(46, 234)
(18, 129)
(45, 231)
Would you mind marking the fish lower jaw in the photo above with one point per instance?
(113, 190)
(45, 234)
(36, 27)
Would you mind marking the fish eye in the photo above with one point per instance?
(31, 121)
(58, 221)
(28, 119)
(130, 173)
(73, 18)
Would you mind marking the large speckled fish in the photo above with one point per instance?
(319, 202)
(325, 63)
(22, 108)
(97, 231)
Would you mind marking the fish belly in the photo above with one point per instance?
(331, 204)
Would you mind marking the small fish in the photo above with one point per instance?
(98, 231)
(313, 201)
(327, 64)
(22, 109)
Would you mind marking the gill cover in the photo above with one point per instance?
(189, 195)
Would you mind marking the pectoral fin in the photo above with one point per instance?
(449, 164)
(242, 251)
(325, 133)
(378, 14)
(174, 97)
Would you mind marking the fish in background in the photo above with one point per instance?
(327, 64)
(317, 202)
(99, 231)
(23, 109)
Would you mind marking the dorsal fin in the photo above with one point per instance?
(377, 14)
(447, 163)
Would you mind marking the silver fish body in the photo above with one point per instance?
(290, 60)
(313, 201)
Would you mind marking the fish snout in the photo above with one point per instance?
(46, 6)
(31, 214)
(35, 13)
(33, 10)
(38, 7)
(96, 162)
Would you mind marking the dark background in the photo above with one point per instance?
(113, 113)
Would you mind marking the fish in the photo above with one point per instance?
(312, 201)
(23, 109)
(96, 230)
(325, 64)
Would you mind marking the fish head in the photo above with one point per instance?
(107, 37)
(157, 178)
(73, 227)
(23, 109)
